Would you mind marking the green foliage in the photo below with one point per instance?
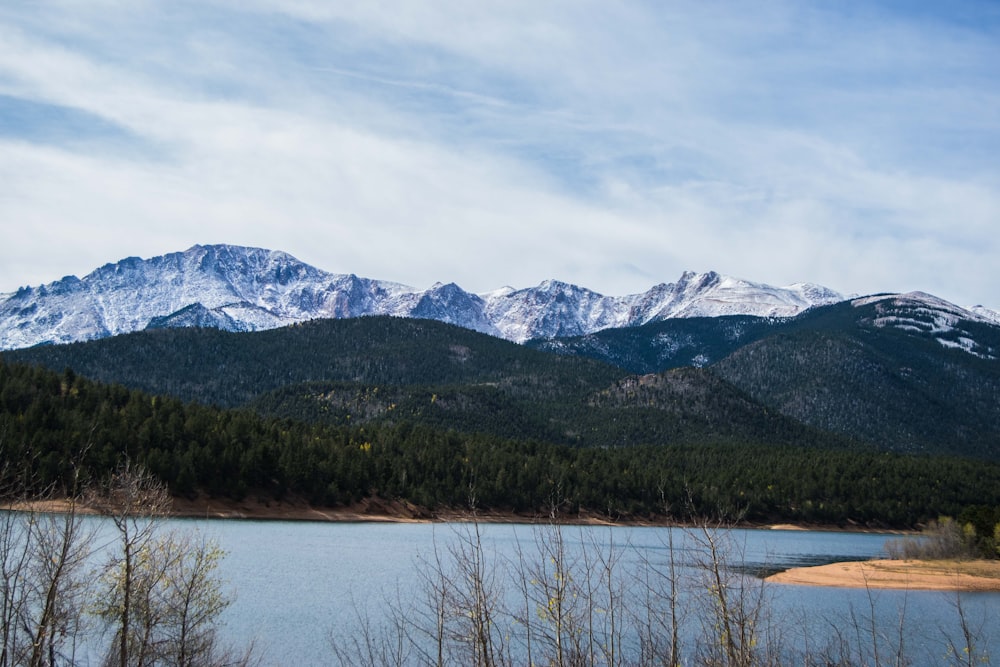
(230, 370)
(837, 368)
(47, 420)
(176, 599)
(983, 529)
(972, 535)
(386, 371)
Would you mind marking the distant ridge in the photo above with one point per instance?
(236, 288)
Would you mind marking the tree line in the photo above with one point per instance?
(61, 430)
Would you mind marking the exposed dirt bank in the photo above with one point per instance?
(902, 574)
(369, 509)
(936, 575)
(381, 510)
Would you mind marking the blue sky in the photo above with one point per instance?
(609, 144)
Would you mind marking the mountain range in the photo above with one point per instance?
(889, 373)
(904, 372)
(815, 405)
(236, 288)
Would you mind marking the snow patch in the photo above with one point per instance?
(966, 345)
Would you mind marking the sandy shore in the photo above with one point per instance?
(946, 575)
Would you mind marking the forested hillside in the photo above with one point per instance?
(230, 369)
(387, 371)
(896, 374)
(842, 369)
(884, 376)
(793, 424)
(651, 348)
(51, 424)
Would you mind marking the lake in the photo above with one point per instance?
(300, 585)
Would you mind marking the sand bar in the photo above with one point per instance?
(946, 575)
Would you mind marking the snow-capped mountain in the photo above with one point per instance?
(926, 314)
(558, 309)
(986, 313)
(244, 289)
(234, 288)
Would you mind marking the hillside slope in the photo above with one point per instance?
(902, 373)
(897, 371)
(383, 370)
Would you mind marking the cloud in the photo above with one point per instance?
(608, 144)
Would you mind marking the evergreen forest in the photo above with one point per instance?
(58, 429)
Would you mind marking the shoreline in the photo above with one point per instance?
(378, 510)
(951, 575)
(978, 576)
(369, 510)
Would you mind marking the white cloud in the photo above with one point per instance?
(608, 144)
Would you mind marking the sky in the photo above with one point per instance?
(849, 143)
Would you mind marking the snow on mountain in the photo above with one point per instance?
(241, 289)
(450, 303)
(987, 314)
(552, 309)
(711, 295)
(922, 313)
(197, 315)
(246, 289)
(558, 309)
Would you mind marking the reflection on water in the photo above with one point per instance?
(765, 569)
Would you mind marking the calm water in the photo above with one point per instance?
(298, 584)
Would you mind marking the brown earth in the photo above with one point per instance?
(369, 509)
(934, 575)
(905, 574)
(382, 510)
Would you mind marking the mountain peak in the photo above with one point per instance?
(987, 314)
(247, 288)
(553, 285)
(925, 314)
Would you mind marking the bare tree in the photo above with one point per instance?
(473, 617)
(458, 619)
(42, 557)
(15, 548)
(658, 614)
(61, 548)
(608, 596)
(734, 605)
(429, 620)
(563, 604)
(967, 652)
(522, 613)
(383, 644)
(560, 608)
(15, 558)
(161, 597)
(131, 499)
(192, 599)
